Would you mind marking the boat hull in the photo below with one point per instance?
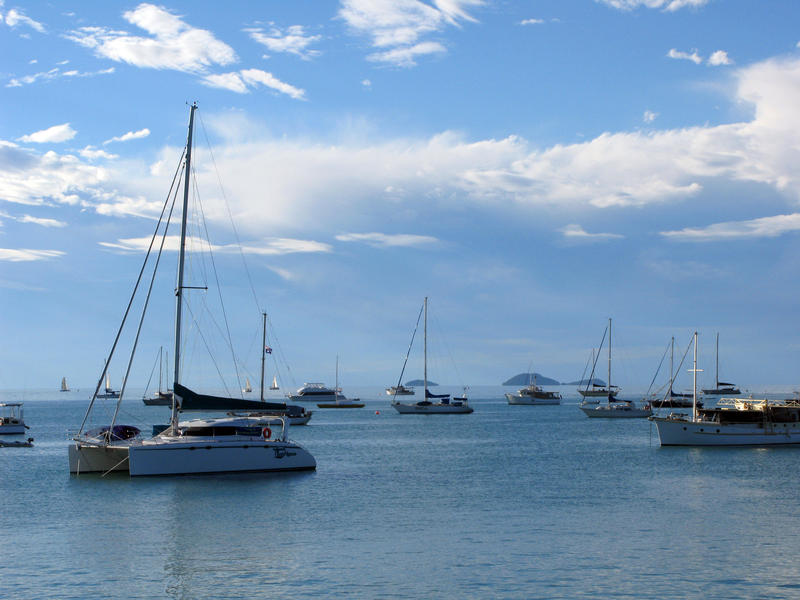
(598, 393)
(12, 429)
(85, 458)
(674, 432)
(605, 411)
(431, 409)
(341, 405)
(530, 400)
(176, 456)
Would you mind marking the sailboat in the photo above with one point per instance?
(64, 386)
(598, 390)
(615, 409)
(721, 387)
(274, 385)
(248, 389)
(216, 445)
(161, 398)
(732, 422)
(341, 401)
(433, 404)
(109, 391)
(673, 399)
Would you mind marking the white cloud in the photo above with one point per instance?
(667, 5)
(131, 135)
(531, 22)
(398, 25)
(649, 116)
(577, 233)
(366, 83)
(693, 56)
(293, 41)
(720, 57)
(173, 44)
(16, 17)
(92, 153)
(41, 221)
(54, 73)
(383, 240)
(268, 247)
(736, 230)
(54, 134)
(26, 255)
(242, 81)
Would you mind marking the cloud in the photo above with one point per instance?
(720, 57)
(666, 5)
(383, 240)
(41, 221)
(268, 247)
(54, 73)
(131, 135)
(678, 55)
(649, 116)
(764, 227)
(293, 41)
(172, 43)
(54, 134)
(396, 26)
(16, 17)
(531, 21)
(577, 233)
(26, 255)
(92, 153)
(242, 81)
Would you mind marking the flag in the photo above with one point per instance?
(267, 349)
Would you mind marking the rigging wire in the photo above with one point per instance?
(414, 333)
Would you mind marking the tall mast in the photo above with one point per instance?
(716, 373)
(671, 357)
(425, 352)
(263, 351)
(694, 381)
(609, 359)
(181, 257)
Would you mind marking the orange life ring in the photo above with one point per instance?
(266, 432)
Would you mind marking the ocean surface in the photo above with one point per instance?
(508, 502)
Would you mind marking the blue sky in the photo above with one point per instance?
(533, 167)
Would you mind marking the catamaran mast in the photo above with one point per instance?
(263, 351)
(425, 351)
(609, 359)
(181, 257)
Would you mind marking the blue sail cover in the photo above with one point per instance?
(193, 401)
(429, 395)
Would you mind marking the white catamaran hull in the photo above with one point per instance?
(90, 458)
(607, 411)
(687, 433)
(530, 401)
(176, 456)
(431, 409)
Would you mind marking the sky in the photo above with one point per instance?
(533, 167)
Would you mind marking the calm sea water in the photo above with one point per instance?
(509, 502)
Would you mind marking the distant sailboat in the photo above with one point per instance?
(247, 387)
(721, 387)
(341, 401)
(64, 386)
(274, 385)
(109, 391)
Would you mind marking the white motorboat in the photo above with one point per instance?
(313, 392)
(433, 404)
(533, 395)
(399, 390)
(732, 422)
(230, 444)
(11, 418)
(613, 408)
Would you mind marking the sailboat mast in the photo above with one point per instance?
(263, 351)
(181, 259)
(609, 359)
(425, 351)
(336, 387)
(694, 381)
(671, 371)
(716, 373)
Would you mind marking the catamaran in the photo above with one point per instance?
(218, 445)
(433, 404)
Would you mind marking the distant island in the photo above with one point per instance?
(585, 382)
(525, 378)
(419, 383)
